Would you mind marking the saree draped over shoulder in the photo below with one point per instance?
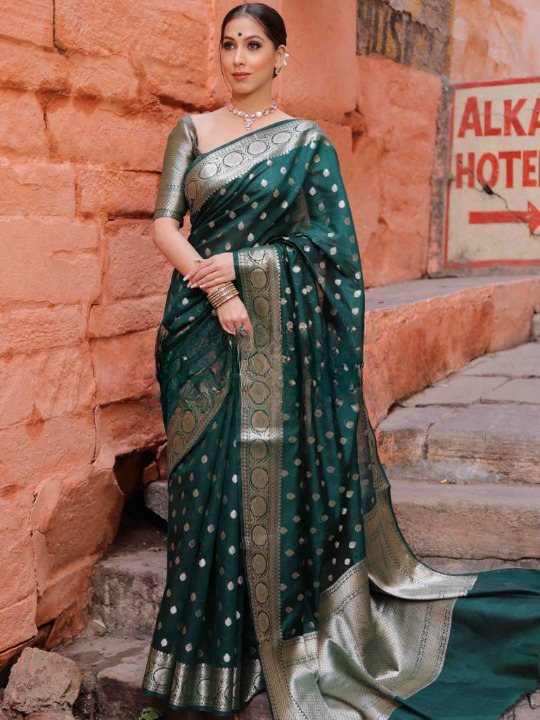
(286, 568)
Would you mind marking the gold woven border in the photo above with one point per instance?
(216, 688)
(218, 167)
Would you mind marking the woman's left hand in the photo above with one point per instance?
(211, 272)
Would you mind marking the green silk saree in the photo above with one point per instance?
(286, 568)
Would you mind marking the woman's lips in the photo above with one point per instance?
(241, 75)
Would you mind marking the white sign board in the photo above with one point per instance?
(493, 203)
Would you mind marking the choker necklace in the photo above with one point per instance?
(249, 117)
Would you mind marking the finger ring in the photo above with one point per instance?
(242, 330)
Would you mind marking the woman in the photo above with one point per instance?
(287, 570)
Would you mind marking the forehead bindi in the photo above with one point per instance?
(241, 34)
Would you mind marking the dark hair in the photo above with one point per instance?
(270, 19)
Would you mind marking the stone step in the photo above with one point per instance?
(479, 424)
(421, 330)
(113, 668)
(128, 581)
(469, 522)
(127, 589)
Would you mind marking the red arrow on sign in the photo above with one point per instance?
(531, 216)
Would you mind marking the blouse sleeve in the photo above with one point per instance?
(179, 152)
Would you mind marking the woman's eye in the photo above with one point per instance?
(228, 45)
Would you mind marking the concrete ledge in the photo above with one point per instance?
(480, 424)
(469, 521)
(420, 331)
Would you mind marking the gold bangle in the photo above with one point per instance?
(222, 294)
(223, 300)
(227, 286)
(218, 295)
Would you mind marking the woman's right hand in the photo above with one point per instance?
(232, 314)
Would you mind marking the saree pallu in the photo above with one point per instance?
(286, 568)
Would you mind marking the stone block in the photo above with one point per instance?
(28, 21)
(469, 521)
(393, 162)
(37, 188)
(44, 384)
(41, 680)
(64, 588)
(402, 435)
(28, 329)
(22, 129)
(116, 193)
(420, 331)
(513, 309)
(127, 590)
(111, 139)
(521, 361)
(16, 555)
(115, 666)
(156, 497)
(521, 390)
(409, 347)
(135, 266)
(126, 316)
(124, 366)
(502, 439)
(18, 620)
(76, 514)
(52, 260)
(130, 425)
(41, 448)
(457, 389)
(327, 92)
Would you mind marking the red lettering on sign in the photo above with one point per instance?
(528, 168)
(531, 216)
(490, 130)
(511, 117)
(465, 171)
(535, 118)
(488, 158)
(509, 156)
(471, 118)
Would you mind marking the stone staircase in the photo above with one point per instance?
(462, 458)
(459, 446)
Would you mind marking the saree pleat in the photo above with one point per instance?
(287, 570)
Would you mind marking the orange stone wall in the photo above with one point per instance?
(495, 39)
(89, 93)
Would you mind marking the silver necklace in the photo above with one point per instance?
(250, 117)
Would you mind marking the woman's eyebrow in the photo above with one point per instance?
(248, 37)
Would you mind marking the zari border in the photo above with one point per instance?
(203, 685)
(218, 167)
(261, 440)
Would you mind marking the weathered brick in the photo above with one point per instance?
(124, 366)
(125, 316)
(69, 521)
(28, 329)
(131, 425)
(135, 267)
(40, 448)
(28, 20)
(116, 193)
(51, 259)
(37, 189)
(47, 383)
(22, 129)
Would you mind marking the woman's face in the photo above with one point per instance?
(247, 49)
